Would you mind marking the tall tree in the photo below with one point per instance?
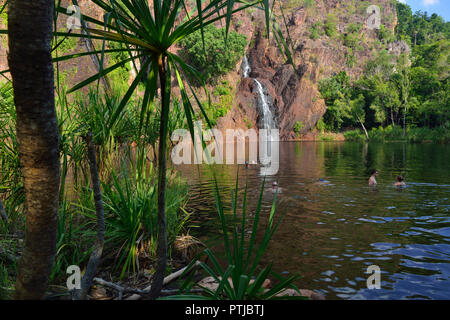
(30, 26)
(403, 80)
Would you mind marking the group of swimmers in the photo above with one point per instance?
(373, 182)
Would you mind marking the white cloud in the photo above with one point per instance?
(430, 2)
(402, 1)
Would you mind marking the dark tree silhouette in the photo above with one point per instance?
(30, 25)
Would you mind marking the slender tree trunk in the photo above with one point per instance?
(158, 277)
(404, 121)
(30, 25)
(364, 128)
(94, 259)
(392, 117)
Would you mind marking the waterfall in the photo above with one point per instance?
(268, 152)
(245, 67)
(268, 119)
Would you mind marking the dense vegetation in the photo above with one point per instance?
(397, 93)
(112, 213)
(216, 55)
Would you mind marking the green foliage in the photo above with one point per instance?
(354, 28)
(413, 134)
(316, 30)
(326, 137)
(64, 45)
(320, 125)
(131, 211)
(11, 182)
(293, 4)
(354, 135)
(331, 90)
(243, 256)
(248, 123)
(121, 75)
(351, 39)
(97, 112)
(5, 284)
(298, 127)
(330, 25)
(224, 93)
(420, 28)
(385, 34)
(217, 57)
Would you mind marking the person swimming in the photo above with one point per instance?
(247, 164)
(399, 182)
(373, 175)
(275, 188)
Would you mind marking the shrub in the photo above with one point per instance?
(326, 137)
(330, 25)
(354, 135)
(131, 212)
(351, 39)
(321, 126)
(298, 127)
(4, 283)
(218, 57)
(314, 31)
(216, 110)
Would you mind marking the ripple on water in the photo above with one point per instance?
(406, 232)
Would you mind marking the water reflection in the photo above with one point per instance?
(334, 230)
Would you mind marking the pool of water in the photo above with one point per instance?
(334, 230)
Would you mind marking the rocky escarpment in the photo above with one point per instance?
(294, 88)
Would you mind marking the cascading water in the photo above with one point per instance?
(245, 67)
(268, 119)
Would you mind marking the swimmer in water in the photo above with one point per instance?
(373, 175)
(275, 188)
(400, 182)
(247, 164)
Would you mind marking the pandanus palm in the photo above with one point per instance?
(149, 32)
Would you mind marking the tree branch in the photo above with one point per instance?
(121, 290)
(167, 279)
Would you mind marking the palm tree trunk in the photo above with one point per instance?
(158, 277)
(30, 25)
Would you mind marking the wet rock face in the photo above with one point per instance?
(294, 89)
(293, 96)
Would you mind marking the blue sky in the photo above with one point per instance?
(441, 7)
